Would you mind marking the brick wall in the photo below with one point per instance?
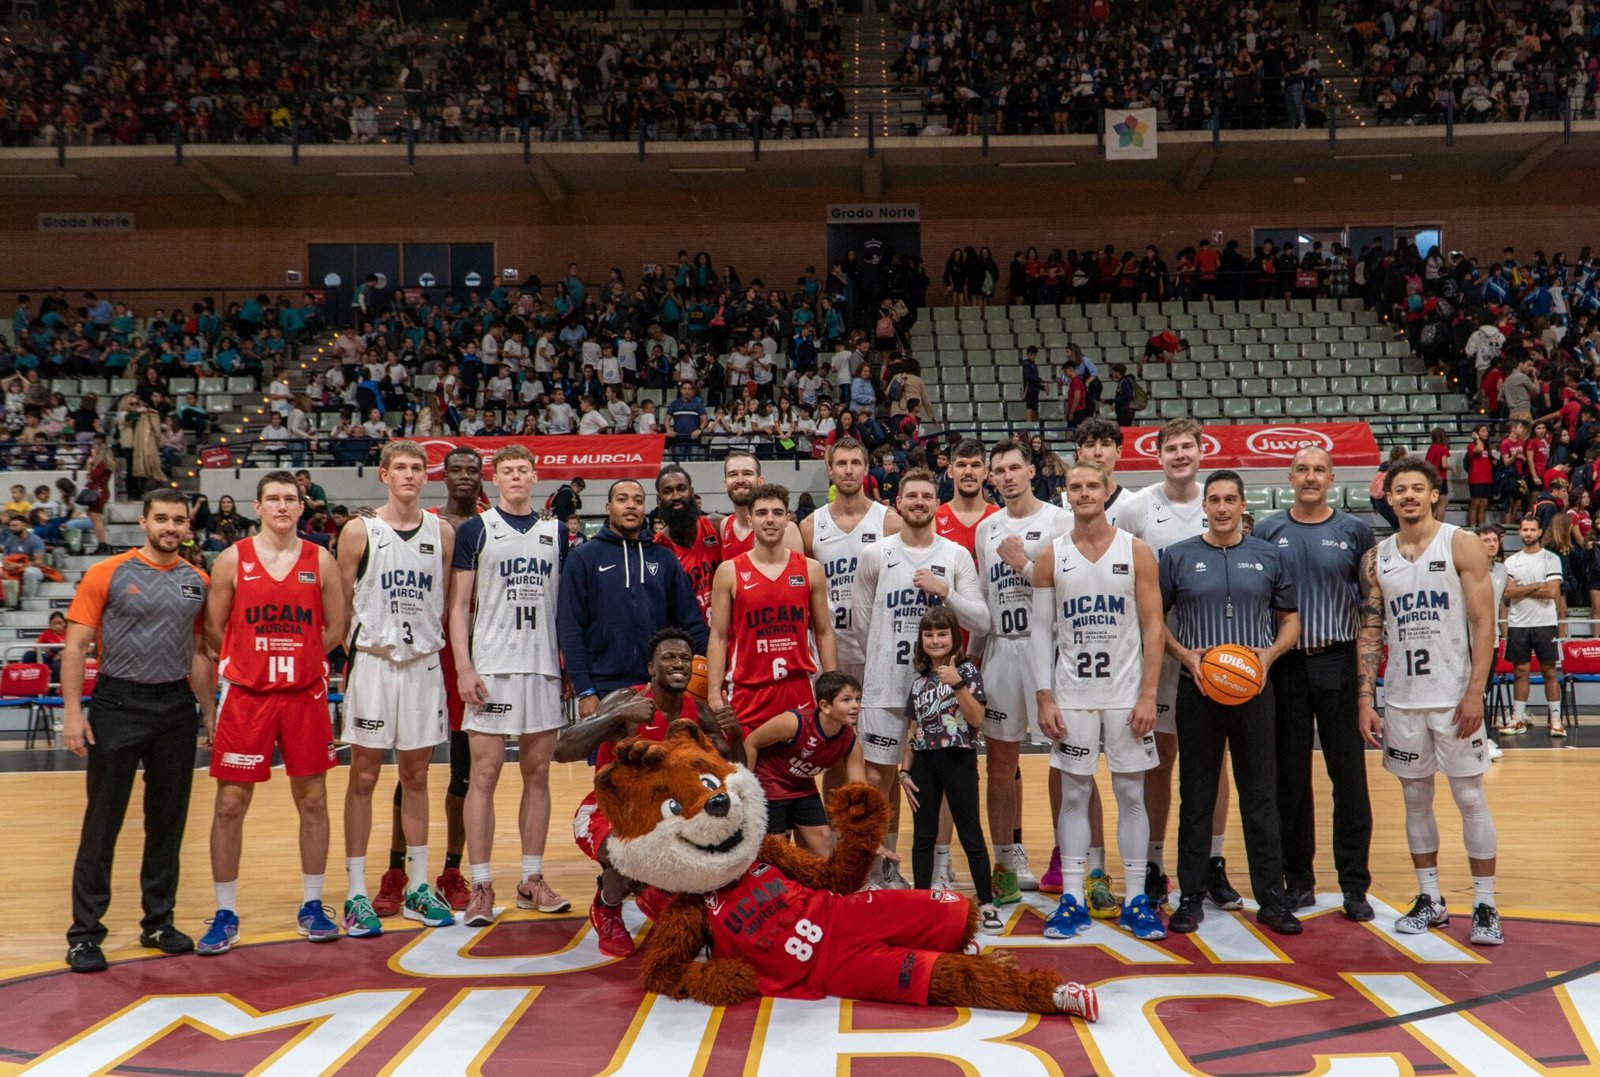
(187, 243)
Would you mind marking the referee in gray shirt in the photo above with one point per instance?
(1224, 586)
(1315, 685)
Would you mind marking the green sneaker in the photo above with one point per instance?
(1004, 884)
(1103, 904)
(424, 905)
(360, 921)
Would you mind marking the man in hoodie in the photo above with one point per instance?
(617, 591)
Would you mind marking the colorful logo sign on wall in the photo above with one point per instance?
(1130, 134)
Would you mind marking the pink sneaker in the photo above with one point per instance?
(534, 893)
(1078, 1000)
(609, 929)
(1050, 881)
(480, 906)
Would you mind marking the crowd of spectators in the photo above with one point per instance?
(105, 72)
(1424, 63)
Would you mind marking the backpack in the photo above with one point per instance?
(897, 387)
(1141, 396)
(885, 328)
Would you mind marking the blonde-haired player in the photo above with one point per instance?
(505, 579)
(394, 568)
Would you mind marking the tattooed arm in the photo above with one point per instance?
(1369, 651)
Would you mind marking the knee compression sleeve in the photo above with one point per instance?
(1477, 825)
(1422, 829)
(1072, 827)
(1133, 825)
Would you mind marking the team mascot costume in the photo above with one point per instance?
(778, 920)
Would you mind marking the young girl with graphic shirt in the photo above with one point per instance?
(945, 709)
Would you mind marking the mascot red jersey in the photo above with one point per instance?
(778, 920)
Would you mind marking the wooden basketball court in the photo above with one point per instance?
(535, 989)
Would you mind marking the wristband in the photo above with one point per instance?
(904, 773)
(587, 693)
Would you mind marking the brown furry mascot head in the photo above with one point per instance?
(683, 818)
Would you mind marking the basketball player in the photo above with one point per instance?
(641, 711)
(1161, 515)
(1224, 586)
(273, 614)
(504, 581)
(899, 579)
(1426, 594)
(463, 486)
(1099, 442)
(393, 568)
(958, 518)
(692, 536)
(1097, 640)
(741, 476)
(1007, 544)
(767, 606)
(837, 535)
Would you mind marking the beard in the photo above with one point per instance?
(679, 517)
(741, 496)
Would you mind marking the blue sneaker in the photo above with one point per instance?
(1140, 920)
(315, 924)
(1069, 920)
(222, 930)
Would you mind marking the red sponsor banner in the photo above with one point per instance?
(600, 456)
(1350, 445)
(216, 456)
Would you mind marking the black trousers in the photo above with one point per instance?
(1206, 731)
(948, 774)
(133, 724)
(1316, 694)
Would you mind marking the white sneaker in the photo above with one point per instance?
(1494, 751)
(1018, 862)
(943, 879)
(990, 922)
(890, 878)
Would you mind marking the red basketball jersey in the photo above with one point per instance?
(655, 729)
(699, 559)
(949, 525)
(273, 641)
(732, 546)
(790, 770)
(775, 924)
(769, 639)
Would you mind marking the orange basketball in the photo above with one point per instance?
(697, 678)
(1230, 674)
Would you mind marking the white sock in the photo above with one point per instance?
(531, 866)
(1133, 877)
(1554, 707)
(355, 867)
(481, 873)
(1072, 876)
(311, 886)
(1428, 882)
(1519, 709)
(1152, 855)
(1216, 845)
(416, 867)
(1097, 858)
(941, 852)
(1002, 857)
(228, 895)
(1483, 890)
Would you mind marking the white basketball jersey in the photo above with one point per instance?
(1099, 644)
(1161, 522)
(897, 608)
(1007, 592)
(399, 596)
(514, 624)
(839, 552)
(1425, 624)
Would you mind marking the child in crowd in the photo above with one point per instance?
(945, 710)
(788, 752)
